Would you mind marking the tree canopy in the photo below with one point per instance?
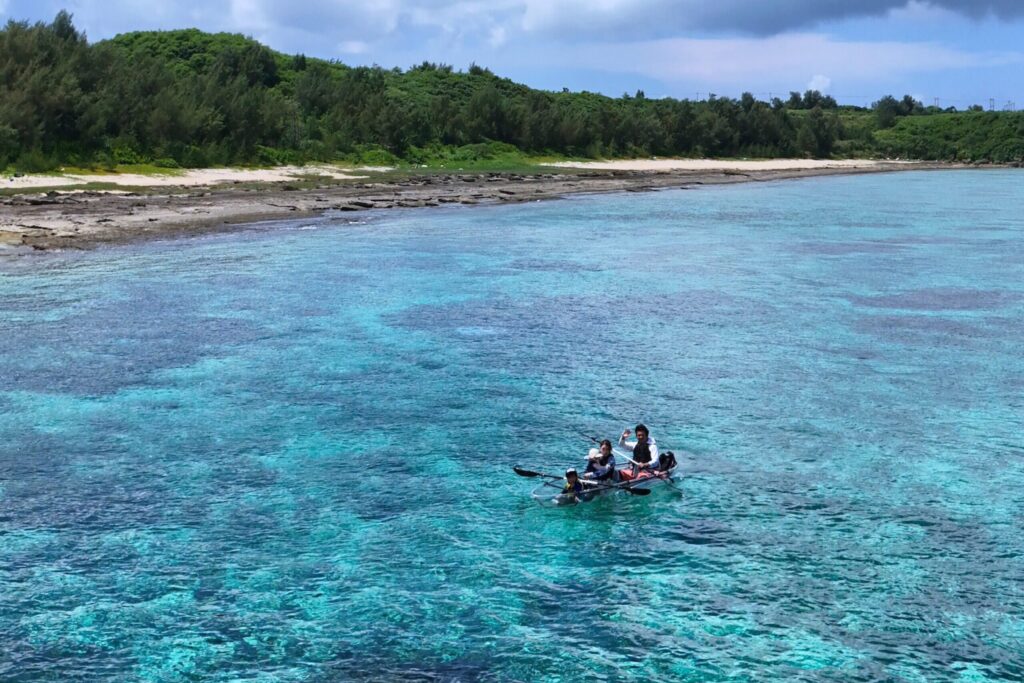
(191, 98)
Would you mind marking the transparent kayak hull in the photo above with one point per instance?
(645, 479)
(550, 493)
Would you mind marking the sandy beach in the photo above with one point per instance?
(744, 165)
(199, 177)
(210, 200)
(212, 177)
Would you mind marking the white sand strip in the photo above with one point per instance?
(721, 164)
(188, 178)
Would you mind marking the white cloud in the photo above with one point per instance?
(820, 83)
(739, 62)
(650, 19)
(919, 12)
(497, 37)
(539, 15)
(353, 47)
(568, 20)
(672, 46)
(352, 20)
(249, 16)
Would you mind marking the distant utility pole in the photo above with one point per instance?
(936, 102)
(991, 104)
(1010, 106)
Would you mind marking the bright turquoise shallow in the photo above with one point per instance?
(283, 454)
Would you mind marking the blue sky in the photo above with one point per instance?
(959, 51)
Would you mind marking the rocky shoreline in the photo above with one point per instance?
(84, 219)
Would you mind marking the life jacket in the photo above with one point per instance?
(642, 451)
(576, 488)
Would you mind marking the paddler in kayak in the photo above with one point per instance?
(601, 463)
(645, 450)
(573, 485)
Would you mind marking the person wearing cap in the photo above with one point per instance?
(573, 485)
(601, 463)
(645, 450)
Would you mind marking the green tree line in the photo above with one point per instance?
(188, 98)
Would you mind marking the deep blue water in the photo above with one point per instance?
(283, 454)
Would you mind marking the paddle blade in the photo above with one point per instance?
(525, 473)
(636, 492)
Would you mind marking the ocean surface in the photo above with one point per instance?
(284, 453)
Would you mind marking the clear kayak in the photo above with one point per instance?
(645, 479)
(550, 493)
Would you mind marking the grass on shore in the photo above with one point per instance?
(119, 169)
(125, 169)
(311, 177)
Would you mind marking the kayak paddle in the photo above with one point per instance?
(530, 474)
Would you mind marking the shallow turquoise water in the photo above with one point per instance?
(283, 454)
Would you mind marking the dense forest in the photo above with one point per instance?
(188, 98)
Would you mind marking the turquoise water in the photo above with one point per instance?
(283, 454)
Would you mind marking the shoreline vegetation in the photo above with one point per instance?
(189, 99)
(177, 132)
(86, 216)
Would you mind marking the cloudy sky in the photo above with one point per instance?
(960, 51)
